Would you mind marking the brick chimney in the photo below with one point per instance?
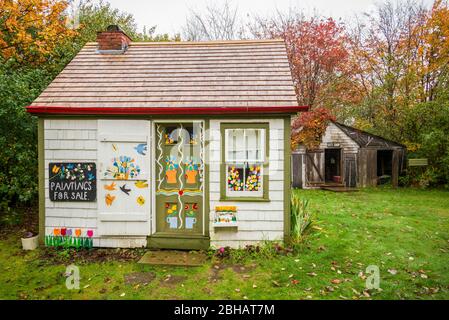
(113, 40)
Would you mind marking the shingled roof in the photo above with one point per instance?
(234, 77)
(365, 139)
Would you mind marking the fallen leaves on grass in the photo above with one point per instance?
(393, 271)
(336, 281)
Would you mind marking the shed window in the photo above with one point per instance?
(244, 161)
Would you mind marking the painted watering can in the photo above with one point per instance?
(190, 221)
(173, 222)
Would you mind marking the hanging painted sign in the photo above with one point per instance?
(72, 181)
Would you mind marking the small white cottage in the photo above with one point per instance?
(168, 145)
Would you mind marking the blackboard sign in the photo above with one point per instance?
(72, 181)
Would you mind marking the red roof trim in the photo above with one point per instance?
(163, 111)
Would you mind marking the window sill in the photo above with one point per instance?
(244, 199)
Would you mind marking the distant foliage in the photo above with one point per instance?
(401, 54)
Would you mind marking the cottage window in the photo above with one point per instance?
(244, 161)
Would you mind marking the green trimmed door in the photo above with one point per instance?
(179, 179)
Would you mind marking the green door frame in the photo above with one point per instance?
(166, 240)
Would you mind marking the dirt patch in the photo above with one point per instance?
(80, 256)
(174, 258)
(215, 272)
(239, 268)
(141, 278)
(171, 280)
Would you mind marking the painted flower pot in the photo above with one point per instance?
(171, 176)
(173, 222)
(190, 221)
(191, 176)
(30, 243)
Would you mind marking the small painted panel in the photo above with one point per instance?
(253, 178)
(191, 212)
(235, 177)
(70, 238)
(170, 135)
(124, 184)
(191, 169)
(171, 169)
(171, 215)
(122, 168)
(72, 181)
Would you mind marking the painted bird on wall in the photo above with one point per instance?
(125, 190)
(141, 184)
(110, 187)
(141, 148)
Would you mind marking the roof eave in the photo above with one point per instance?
(61, 110)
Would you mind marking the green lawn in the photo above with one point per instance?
(404, 232)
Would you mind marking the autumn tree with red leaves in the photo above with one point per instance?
(317, 53)
(309, 127)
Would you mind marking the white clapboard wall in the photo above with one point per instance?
(70, 141)
(123, 216)
(257, 221)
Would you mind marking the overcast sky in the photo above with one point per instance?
(170, 15)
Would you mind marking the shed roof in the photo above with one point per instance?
(221, 77)
(365, 139)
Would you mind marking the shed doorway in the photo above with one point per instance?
(384, 166)
(332, 165)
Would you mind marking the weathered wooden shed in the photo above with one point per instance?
(168, 145)
(348, 157)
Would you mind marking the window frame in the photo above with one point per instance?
(264, 163)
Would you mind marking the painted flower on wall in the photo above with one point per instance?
(140, 200)
(62, 237)
(74, 171)
(171, 167)
(123, 168)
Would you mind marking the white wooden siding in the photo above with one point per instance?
(77, 140)
(334, 134)
(65, 141)
(258, 221)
